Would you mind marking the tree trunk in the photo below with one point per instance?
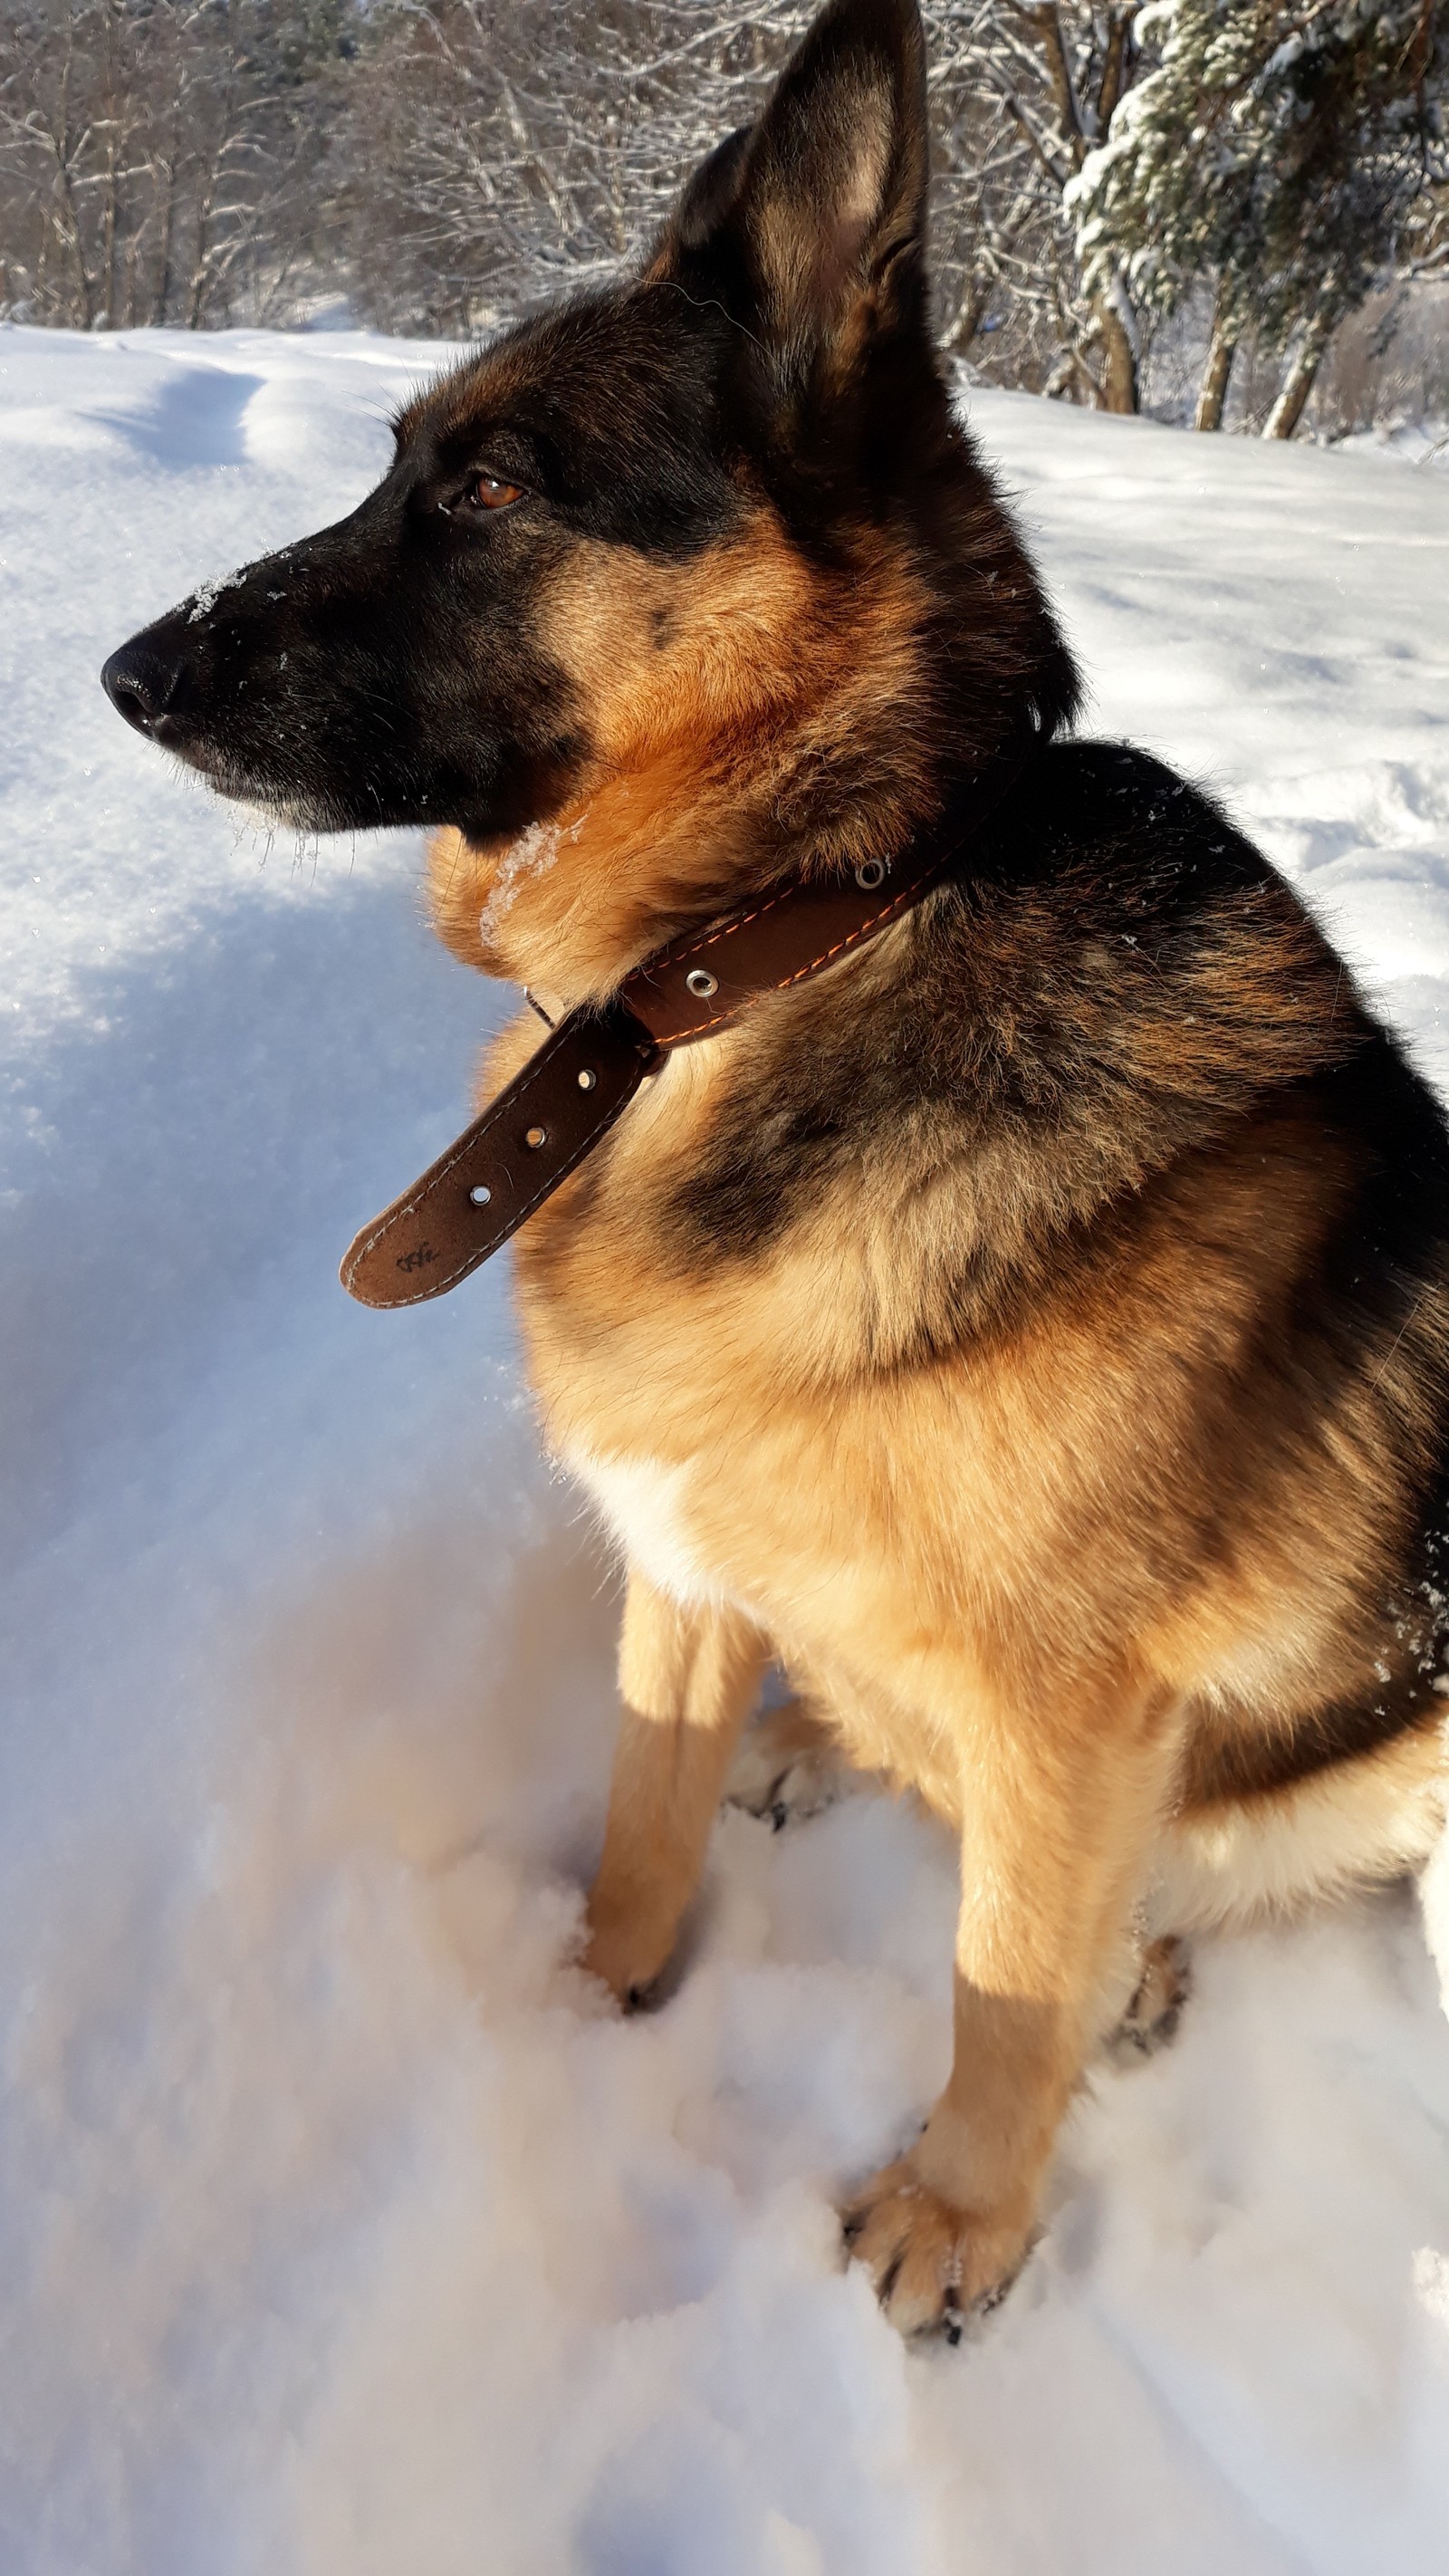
(1119, 378)
(108, 236)
(200, 268)
(131, 311)
(1114, 61)
(65, 223)
(68, 231)
(1297, 385)
(65, 146)
(165, 268)
(1213, 391)
(965, 322)
(1048, 25)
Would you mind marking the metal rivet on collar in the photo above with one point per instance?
(480, 1195)
(587, 1079)
(871, 873)
(701, 983)
(535, 1136)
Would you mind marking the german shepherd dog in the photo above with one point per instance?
(1031, 1331)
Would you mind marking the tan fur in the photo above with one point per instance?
(687, 1681)
(727, 708)
(1236, 1862)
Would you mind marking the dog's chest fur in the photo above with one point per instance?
(777, 1431)
(644, 1503)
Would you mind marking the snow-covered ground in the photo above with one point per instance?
(1404, 442)
(342, 2231)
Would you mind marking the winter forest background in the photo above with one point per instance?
(1232, 212)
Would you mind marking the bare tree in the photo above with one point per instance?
(497, 146)
(1025, 89)
(153, 153)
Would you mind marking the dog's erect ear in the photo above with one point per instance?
(709, 193)
(818, 211)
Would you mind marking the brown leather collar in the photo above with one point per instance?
(568, 1095)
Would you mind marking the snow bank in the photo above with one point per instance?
(341, 2227)
(1403, 442)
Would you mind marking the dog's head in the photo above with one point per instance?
(702, 567)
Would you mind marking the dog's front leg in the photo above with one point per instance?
(1058, 1817)
(688, 1678)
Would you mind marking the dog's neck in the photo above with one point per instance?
(564, 1100)
(803, 720)
(570, 907)
(762, 749)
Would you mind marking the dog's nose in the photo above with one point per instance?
(143, 685)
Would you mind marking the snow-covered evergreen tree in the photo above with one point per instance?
(1275, 150)
(1024, 90)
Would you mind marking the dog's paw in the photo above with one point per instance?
(629, 1958)
(788, 1766)
(1152, 2016)
(934, 2268)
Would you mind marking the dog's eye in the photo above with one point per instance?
(491, 492)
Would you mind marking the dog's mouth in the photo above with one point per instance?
(264, 802)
